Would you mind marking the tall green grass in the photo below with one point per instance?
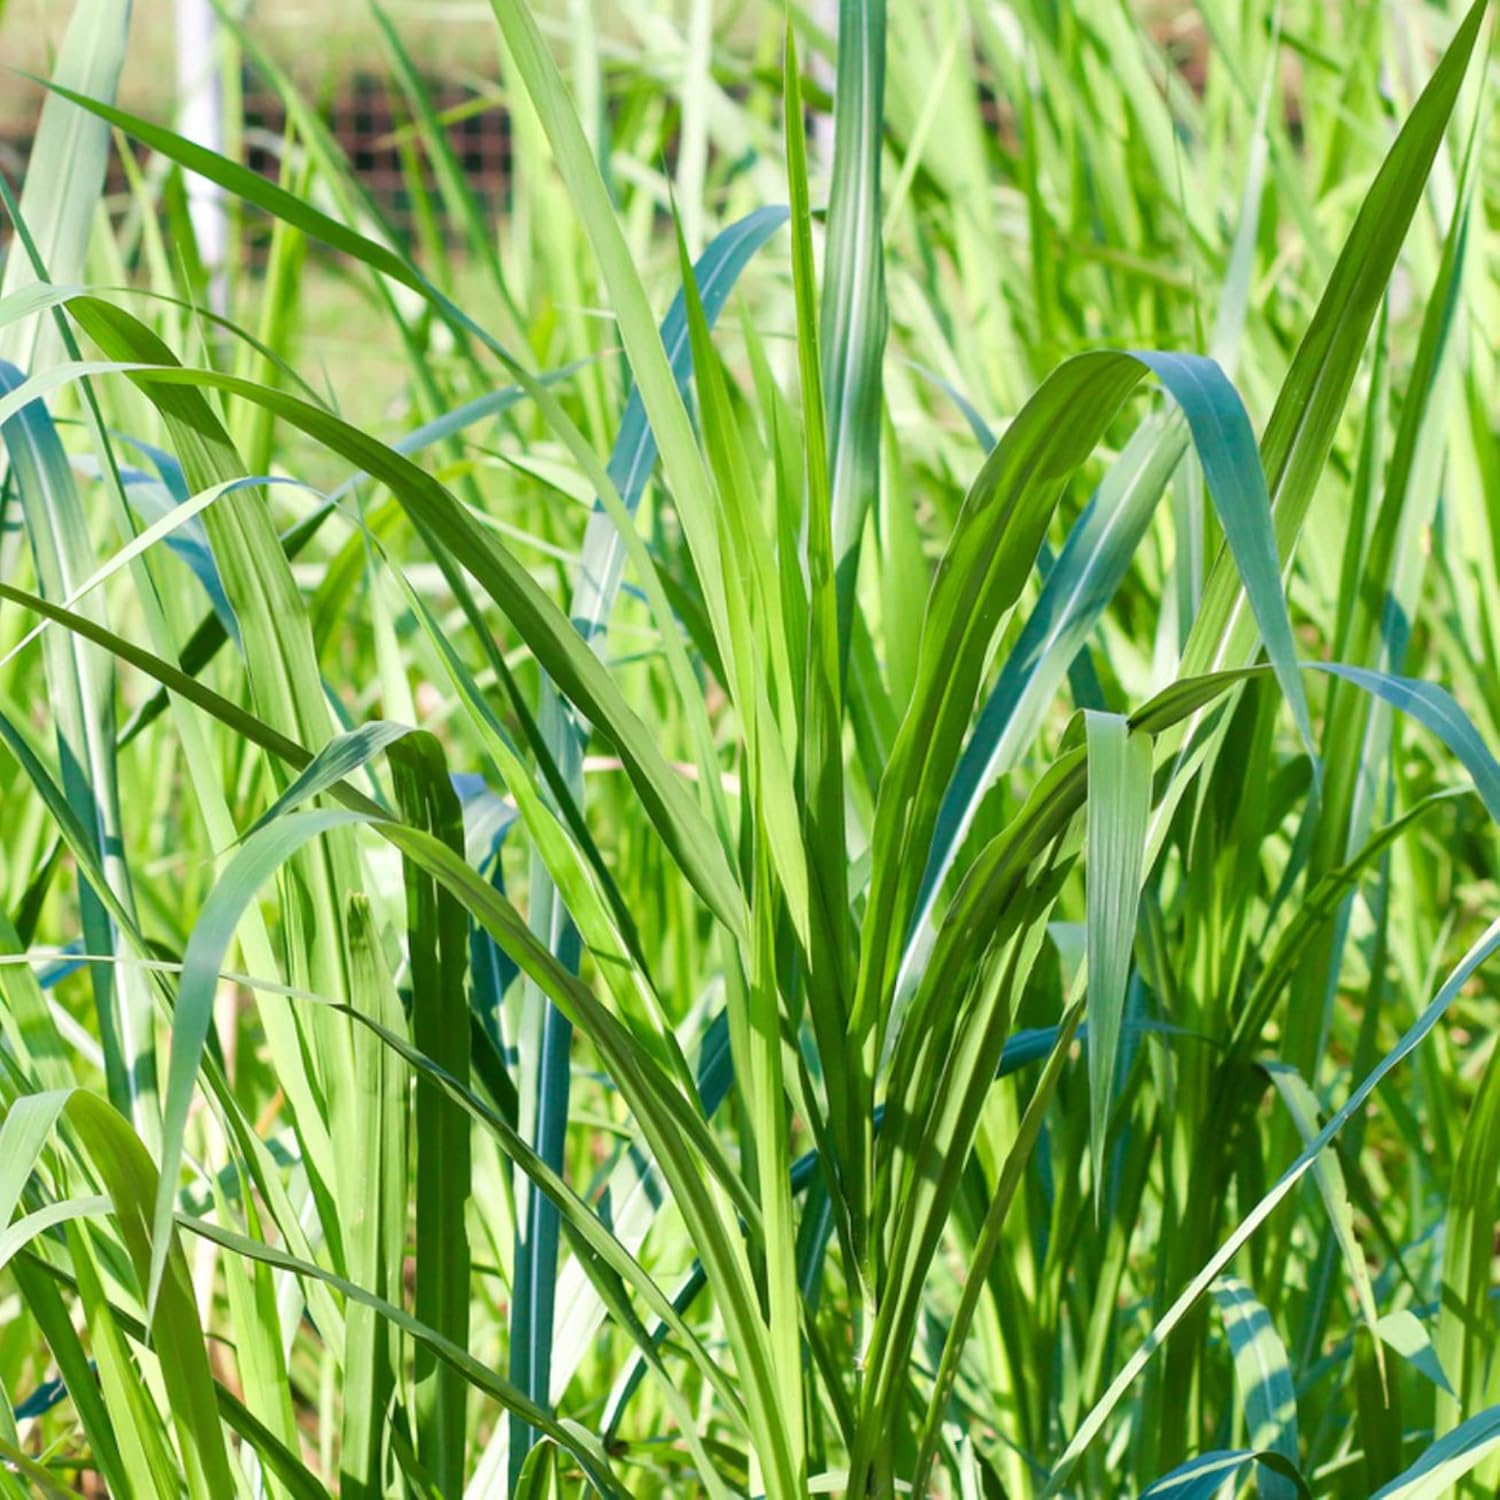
(846, 845)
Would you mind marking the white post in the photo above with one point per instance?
(200, 117)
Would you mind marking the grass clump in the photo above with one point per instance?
(820, 822)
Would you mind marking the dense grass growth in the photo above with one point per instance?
(846, 844)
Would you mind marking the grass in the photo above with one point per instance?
(821, 821)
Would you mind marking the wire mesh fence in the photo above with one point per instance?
(373, 129)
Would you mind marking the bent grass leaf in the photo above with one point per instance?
(1204, 1477)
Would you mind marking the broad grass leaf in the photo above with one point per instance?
(1264, 1378)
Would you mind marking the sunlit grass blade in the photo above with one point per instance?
(633, 458)
(377, 1238)
(677, 1134)
(1447, 1460)
(280, 1460)
(210, 635)
(831, 952)
(685, 468)
(66, 165)
(1264, 1377)
(853, 308)
(989, 1242)
(457, 192)
(130, 1180)
(1119, 767)
(82, 688)
(1089, 568)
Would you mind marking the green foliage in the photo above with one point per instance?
(823, 830)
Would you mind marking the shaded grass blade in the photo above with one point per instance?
(437, 952)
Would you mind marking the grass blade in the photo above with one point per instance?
(854, 316)
(1264, 1378)
(66, 167)
(437, 951)
(1119, 766)
(1204, 1477)
(82, 688)
(1447, 1460)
